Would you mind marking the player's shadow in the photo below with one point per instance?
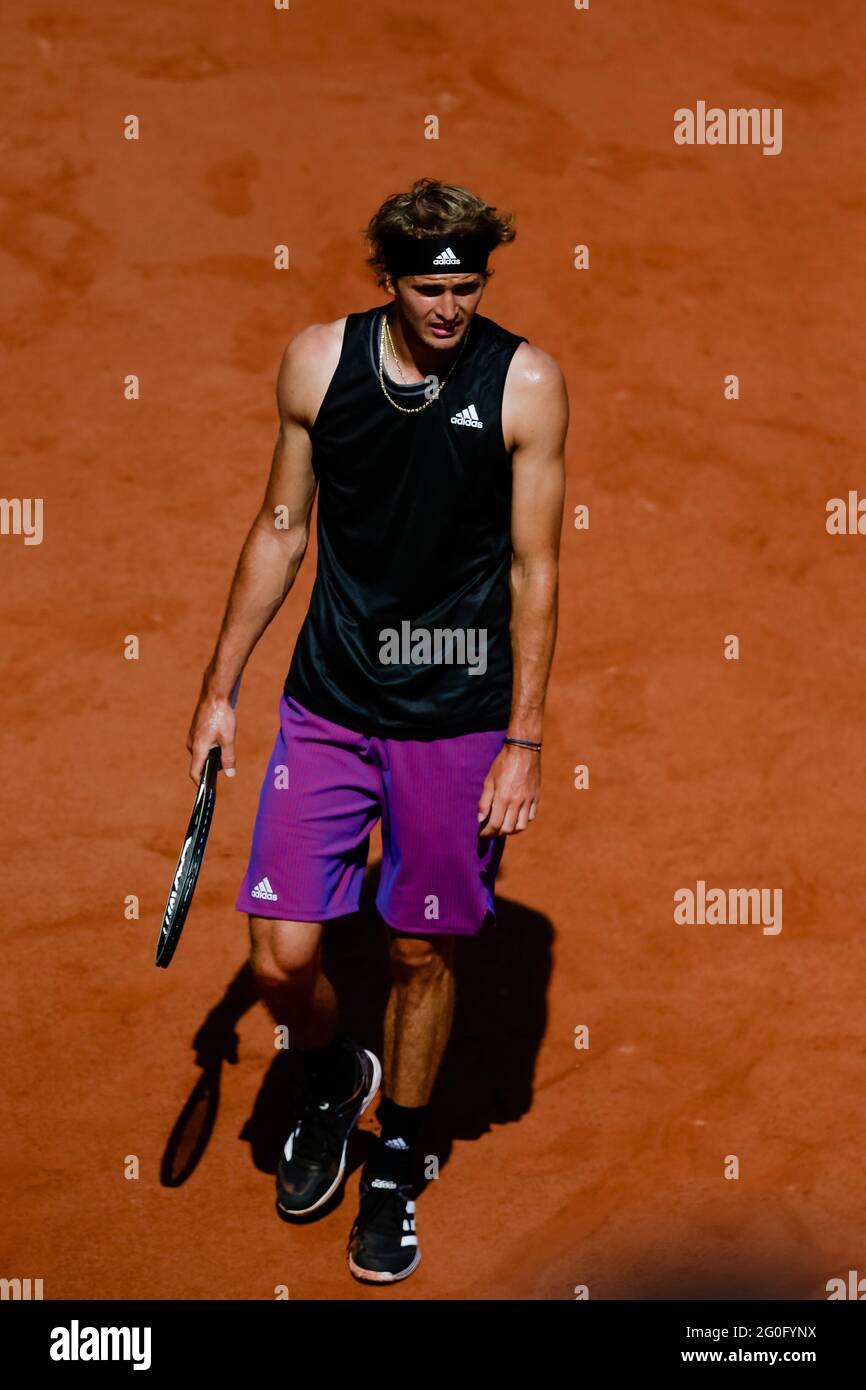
(499, 1021)
(486, 1074)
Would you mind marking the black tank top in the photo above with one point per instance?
(407, 633)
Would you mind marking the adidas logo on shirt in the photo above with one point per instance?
(469, 417)
(446, 257)
(263, 889)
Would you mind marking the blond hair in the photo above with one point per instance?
(433, 208)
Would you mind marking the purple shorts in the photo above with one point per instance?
(325, 789)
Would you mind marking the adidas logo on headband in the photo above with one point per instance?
(436, 255)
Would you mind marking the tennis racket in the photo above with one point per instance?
(191, 856)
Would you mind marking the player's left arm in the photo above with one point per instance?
(534, 422)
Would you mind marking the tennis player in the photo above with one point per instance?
(415, 695)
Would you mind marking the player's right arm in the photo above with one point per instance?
(276, 543)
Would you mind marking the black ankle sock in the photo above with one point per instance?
(330, 1071)
(396, 1147)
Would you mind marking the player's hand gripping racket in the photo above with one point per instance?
(191, 855)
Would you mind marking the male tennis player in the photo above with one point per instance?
(417, 685)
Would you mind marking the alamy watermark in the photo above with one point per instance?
(77, 1343)
(22, 516)
(729, 906)
(438, 646)
(736, 125)
(20, 1289)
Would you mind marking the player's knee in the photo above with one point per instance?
(272, 973)
(419, 957)
(281, 957)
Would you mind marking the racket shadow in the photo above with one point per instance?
(215, 1043)
(487, 1073)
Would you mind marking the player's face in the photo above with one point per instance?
(439, 308)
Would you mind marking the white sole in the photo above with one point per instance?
(376, 1276)
(377, 1078)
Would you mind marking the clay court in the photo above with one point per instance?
(603, 1166)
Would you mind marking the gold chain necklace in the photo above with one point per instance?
(412, 410)
(393, 350)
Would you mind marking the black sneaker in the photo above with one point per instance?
(383, 1246)
(313, 1162)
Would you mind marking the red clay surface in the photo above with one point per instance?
(560, 1167)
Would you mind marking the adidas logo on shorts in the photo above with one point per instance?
(446, 257)
(469, 417)
(263, 889)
